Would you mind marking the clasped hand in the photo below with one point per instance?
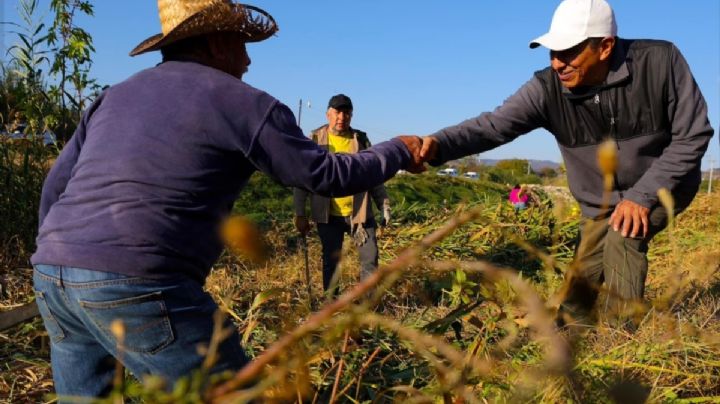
(422, 150)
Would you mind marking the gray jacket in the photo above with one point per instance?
(320, 205)
(649, 104)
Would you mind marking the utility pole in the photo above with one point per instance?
(299, 111)
(303, 237)
(710, 180)
(300, 107)
(528, 172)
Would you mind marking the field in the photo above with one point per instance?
(461, 310)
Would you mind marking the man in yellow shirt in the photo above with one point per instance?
(351, 214)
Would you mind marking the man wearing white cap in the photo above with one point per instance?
(638, 93)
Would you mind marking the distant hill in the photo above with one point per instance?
(536, 165)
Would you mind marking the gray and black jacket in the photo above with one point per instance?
(649, 104)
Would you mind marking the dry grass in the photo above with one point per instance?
(671, 355)
(442, 333)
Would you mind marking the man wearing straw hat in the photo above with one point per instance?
(131, 209)
(641, 95)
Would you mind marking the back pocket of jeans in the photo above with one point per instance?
(145, 322)
(52, 326)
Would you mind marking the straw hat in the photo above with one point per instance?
(182, 19)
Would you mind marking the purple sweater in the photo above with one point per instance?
(158, 160)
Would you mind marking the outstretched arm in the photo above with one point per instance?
(280, 150)
(519, 114)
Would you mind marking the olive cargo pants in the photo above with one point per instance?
(605, 256)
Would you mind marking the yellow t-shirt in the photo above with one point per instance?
(341, 144)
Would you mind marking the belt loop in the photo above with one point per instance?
(62, 285)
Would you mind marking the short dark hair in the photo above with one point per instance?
(185, 47)
(594, 42)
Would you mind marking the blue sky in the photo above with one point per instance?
(411, 67)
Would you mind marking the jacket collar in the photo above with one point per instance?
(325, 130)
(322, 134)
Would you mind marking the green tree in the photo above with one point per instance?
(25, 95)
(519, 166)
(65, 50)
(510, 172)
(72, 48)
(548, 172)
(22, 91)
(469, 163)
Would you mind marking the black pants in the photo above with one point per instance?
(332, 234)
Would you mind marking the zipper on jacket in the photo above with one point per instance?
(613, 136)
(613, 131)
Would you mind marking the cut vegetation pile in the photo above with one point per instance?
(453, 321)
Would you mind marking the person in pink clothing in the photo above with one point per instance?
(518, 198)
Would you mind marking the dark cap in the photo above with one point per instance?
(340, 101)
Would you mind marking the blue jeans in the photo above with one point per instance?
(165, 322)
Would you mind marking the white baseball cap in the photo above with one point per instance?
(575, 21)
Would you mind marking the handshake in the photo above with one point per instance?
(422, 150)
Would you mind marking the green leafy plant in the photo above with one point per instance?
(72, 48)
